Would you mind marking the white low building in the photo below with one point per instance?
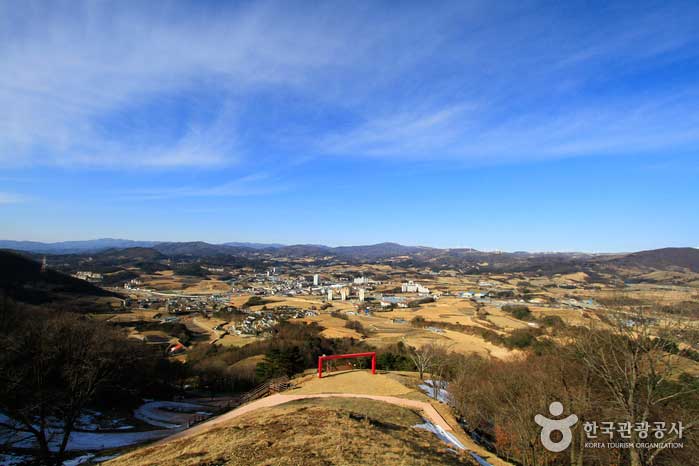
(413, 287)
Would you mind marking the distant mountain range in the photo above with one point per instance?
(128, 250)
(72, 247)
(254, 245)
(200, 248)
(665, 258)
(97, 245)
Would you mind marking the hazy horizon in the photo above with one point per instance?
(278, 244)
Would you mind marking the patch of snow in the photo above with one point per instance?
(95, 441)
(91, 420)
(79, 460)
(88, 420)
(16, 439)
(89, 435)
(4, 419)
(451, 440)
(102, 459)
(12, 460)
(479, 459)
(429, 388)
(167, 414)
(442, 434)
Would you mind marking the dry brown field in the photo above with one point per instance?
(237, 340)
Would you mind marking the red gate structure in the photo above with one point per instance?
(346, 356)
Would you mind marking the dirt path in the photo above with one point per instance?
(273, 400)
(429, 411)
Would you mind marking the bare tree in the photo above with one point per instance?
(634, 361)
(440, 368)
(422, 357)
(629, 370)
(51, 368)
(503, 398)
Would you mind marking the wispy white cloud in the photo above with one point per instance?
(457, 132)
(10, 198)
(85, 82)
(533, 85)
(67, 67)
(404, 133)
(257, 184)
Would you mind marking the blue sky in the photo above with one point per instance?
(494, 125)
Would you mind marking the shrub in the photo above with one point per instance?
(686, 308)
(418, 321)
(395, 358)
(521, 338)
(518, 311)
(339, 315)
(417, 302)
(356, 326)
(281, 361)
(553, 321)
(256, 301)
(193, 270)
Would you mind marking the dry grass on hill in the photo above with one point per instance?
(334, 327)
(237, 340)
(308, 432)
(358, 381)
(207, 287)
(248, 364)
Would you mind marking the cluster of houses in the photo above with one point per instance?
(92, 277)
(193, 304)
(365, 281)
(178, 305)
(340, 288)
(493, 295)
(133, 284)
(260, 323)
(393, 301)
(359, 312)
(478, 296)
(580, 304)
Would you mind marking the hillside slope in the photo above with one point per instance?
(665, 258)
(308, 432)
(23, 280)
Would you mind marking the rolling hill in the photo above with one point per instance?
(200, 249)
(379, 251)
(663, 259)
(23, 280)
(350, 431)
(105, 252)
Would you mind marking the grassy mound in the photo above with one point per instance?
(308, 432)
